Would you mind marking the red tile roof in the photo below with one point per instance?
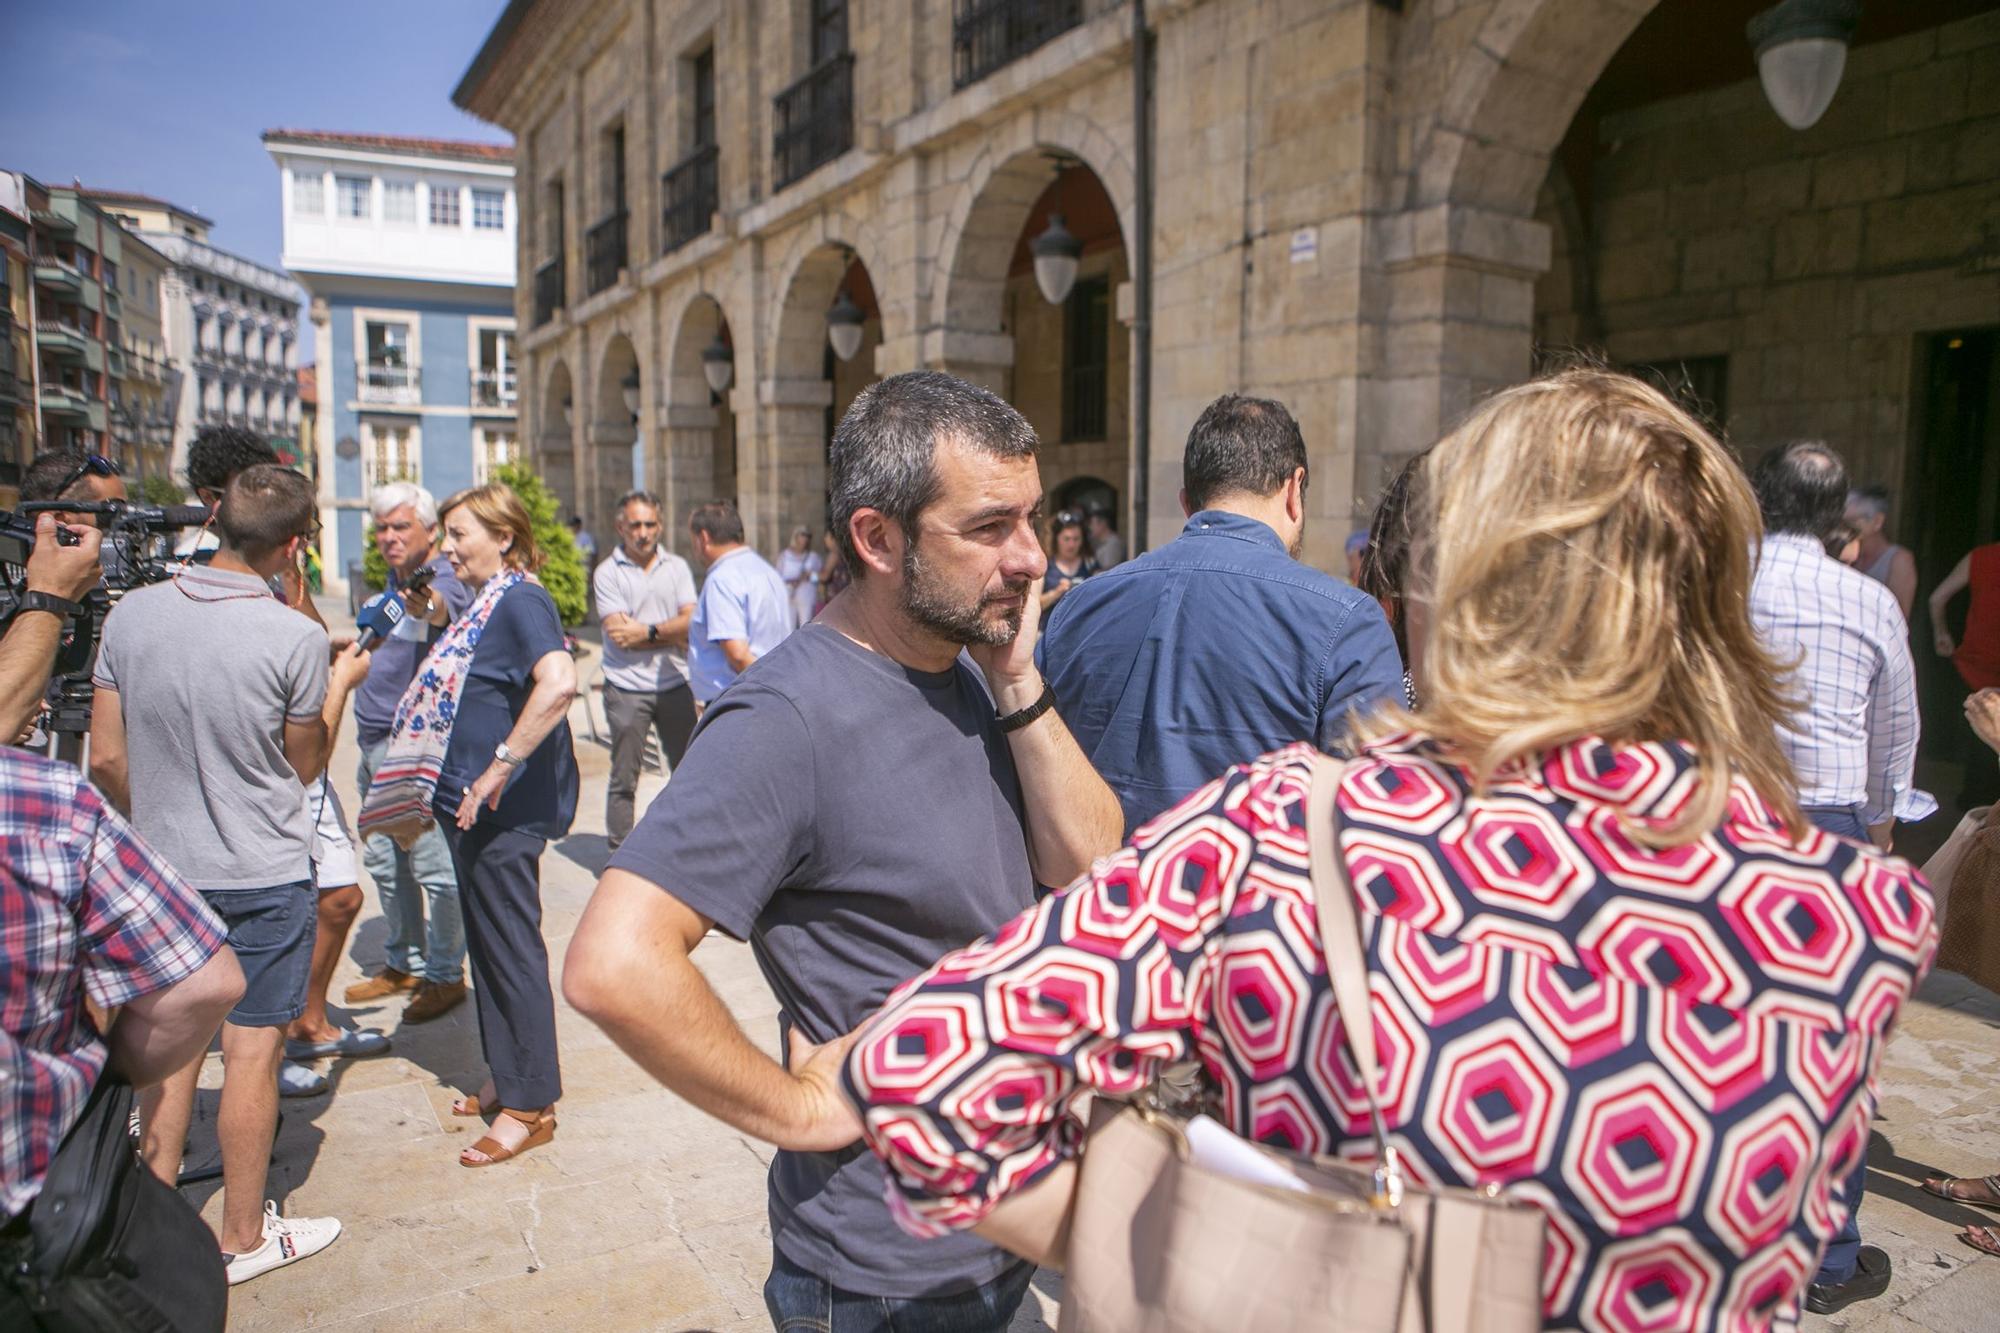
(464, 149)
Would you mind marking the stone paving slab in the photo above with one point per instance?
(646, 1214)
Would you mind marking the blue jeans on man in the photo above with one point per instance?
(419, 892)
(1843, 1255)
(804, 1302)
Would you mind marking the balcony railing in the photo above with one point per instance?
(549, 291)
(604, 252)
(493, 388)
(988, 34)
(815, 119)
(388, 384)
(691, 195)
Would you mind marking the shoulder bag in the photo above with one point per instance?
(1158, 1244)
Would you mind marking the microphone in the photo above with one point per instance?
(379, 617)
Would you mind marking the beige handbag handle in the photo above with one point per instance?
(1346, 962)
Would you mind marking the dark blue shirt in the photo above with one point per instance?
(1213, 650)
(540, 796)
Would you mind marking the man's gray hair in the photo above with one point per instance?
(636, 497)
(883, 451)
(391, 496)
(1870, 500)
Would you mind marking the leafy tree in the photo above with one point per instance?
(374, 569)
(562, 571)
(157, 490)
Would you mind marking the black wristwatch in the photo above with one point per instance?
(652, 634)
(60, 607)
(1015, 721)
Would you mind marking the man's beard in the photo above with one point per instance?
(928, 602)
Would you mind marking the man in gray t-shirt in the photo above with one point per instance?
(214, 707)
(865, 798)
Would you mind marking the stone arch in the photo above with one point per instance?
(699, 436)
(555, 438)
(1484, 132)
(612, 432)
(1010, 172)
(806, 284)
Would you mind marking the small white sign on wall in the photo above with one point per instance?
(1305, 245)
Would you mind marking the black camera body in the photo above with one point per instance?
(135, 552)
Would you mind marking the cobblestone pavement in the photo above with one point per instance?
(646, 1214)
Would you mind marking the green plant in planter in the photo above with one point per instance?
(562, 571)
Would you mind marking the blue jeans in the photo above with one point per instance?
(429, 944)
(802, 1302)
(1845, 1249)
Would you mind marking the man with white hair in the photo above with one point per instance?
(418, 887)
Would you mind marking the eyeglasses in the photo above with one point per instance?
(93, 465)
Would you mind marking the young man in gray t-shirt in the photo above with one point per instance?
(214, 707)
(865, 798)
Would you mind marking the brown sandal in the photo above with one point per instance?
(544, 1129)
(1942, 1185)
(1984, 1239)
(467, 1107)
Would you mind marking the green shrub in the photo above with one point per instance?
(562, 571)
(159, 491)
(374, 569)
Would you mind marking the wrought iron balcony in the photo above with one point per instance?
(380, 383)
(690, 190)
(493, 388)
(604, 252)
(549, 296)
(988, 34)
(815, 118)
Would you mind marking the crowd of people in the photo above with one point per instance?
(1013, 823)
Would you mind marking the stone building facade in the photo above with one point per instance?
(1369, 210)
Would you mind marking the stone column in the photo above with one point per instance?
(1453, 319)
(983, 358)
(782, 481)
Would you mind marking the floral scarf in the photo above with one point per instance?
(399, 799)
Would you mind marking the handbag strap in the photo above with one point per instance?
(1346, 962)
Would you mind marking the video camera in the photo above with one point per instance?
(135, 552)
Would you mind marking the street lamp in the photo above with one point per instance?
(1801, 48)
(718, 365)
(630, 386)
(1056, 253)
(843, 326)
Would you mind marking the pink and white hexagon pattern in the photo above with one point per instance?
(1669, 1051)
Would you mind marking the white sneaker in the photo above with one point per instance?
(286, 1240)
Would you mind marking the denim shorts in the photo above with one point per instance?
(803, 1302)
(271, 933)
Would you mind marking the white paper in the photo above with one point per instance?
(1214, 1148)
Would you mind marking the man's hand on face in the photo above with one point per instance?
(68, 572)
(1010, 667)
(1982, 710)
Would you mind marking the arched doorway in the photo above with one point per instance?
(698, 439)
(1066, 365)
(828, 331)
(614, 429)
(555, 438)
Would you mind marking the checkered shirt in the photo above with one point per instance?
(1855, 742)
(85, 908)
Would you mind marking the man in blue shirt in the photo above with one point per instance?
(1219, 646)
(744, 609)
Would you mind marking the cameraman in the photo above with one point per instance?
(59, 577)
(219, 743)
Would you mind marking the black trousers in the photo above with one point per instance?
(500, 891)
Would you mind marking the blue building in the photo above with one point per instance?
(407, 247)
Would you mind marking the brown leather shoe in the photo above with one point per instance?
(434, 999)
(386, 983)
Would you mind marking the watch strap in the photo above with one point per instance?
(1015, 721)
(49, 602)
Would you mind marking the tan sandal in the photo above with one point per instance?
(544, 1123)
(467, 1106)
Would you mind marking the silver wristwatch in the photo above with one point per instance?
(507, 756)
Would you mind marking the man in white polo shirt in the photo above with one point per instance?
(744, 610)
(644, 598)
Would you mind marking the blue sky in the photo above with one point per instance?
(170, 99)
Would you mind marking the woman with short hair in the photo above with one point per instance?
(1613, 971)
(1069, 558)
(481, 746)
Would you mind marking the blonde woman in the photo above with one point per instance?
(481, 747)
(1615, 973)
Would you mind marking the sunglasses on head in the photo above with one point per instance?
(93, 465)
(1065, 517)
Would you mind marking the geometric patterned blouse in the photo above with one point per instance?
(1671, 1052)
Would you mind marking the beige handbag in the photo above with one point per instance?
(1160, 1245)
